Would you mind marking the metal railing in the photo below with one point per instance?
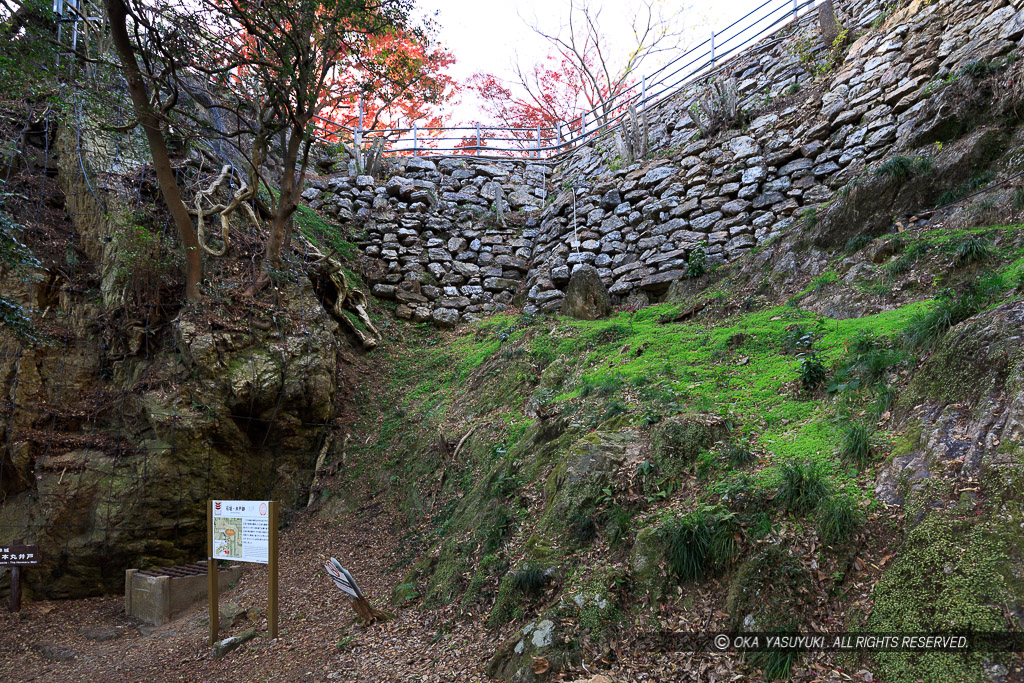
(700, 61)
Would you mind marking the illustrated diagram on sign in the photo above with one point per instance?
(241, 530)
(227, 537)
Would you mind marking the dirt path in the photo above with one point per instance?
(319, 637)
(100, 643)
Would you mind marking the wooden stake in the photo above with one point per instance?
(14, 601)
(272, 567)
(211, 574)
(367, 612)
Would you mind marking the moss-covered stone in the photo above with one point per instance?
(645, 562)
(515, 659)
(446, 582)
(769, 591)
(954, 572)
(676, 442)
(577, 482)
(972, 361)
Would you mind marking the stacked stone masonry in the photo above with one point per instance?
(451, 237)
(444, 259)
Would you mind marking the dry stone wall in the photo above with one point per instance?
(808, 134)
(726, 195)
(440, 245)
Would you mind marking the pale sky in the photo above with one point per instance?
(490, 36)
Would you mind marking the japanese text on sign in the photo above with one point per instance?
(19, 555)
(241, 530)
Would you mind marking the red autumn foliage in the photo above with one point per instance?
(552, 95)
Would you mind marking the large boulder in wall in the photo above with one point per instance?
(586, 298)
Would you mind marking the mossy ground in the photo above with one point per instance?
(526, 400)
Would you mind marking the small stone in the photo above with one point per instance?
(735, 207)
(445, 317)
(656, 175)
(54, 652)
(754, 175)
(420, 164)
(231, 615)
(101, 634)
(228, 644)
(743, 147)
(610, 200)
(499, 283)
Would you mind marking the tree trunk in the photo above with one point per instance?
(830, 26)
(117, 14)
(286, 201)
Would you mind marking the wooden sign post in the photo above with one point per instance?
(16, 556)
(245, 531)
(347, 584)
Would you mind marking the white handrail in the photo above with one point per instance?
(607, 112)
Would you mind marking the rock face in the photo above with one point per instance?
(529, 654)
(964, 409)
(586, 297)
(118, 434)
(957, 471)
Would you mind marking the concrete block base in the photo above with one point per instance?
(157, 596)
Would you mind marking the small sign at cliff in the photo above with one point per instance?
(342, 579)
(19, 555)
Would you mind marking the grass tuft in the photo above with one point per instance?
(973, 250)
(529, 579)
(858, 242)
(700, 543)
(803, 485)
(950, 309)
(738, 456)
(903, 168)
(856, 445)
(838, 517)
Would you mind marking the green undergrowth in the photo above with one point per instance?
(321, 233)
(955, 574)
(952, 255)
(546, 411)
(639, 371)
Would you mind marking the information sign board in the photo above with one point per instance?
(241, 530)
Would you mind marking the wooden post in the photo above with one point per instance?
(211, 577)
(712, 48)
(272, 567)
(415, 136)
(14, 602)
(476, 152)
(367, 612)
(359, 128)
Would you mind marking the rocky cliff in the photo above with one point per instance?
(124, 411)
